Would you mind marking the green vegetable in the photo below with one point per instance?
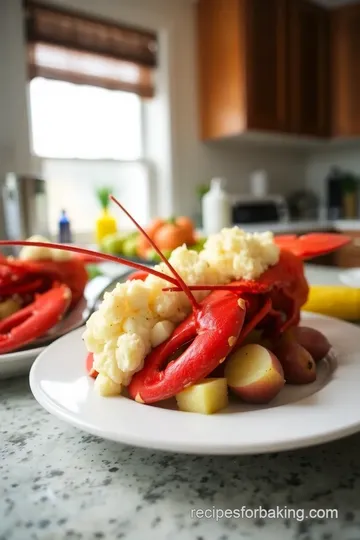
(154, 257)
(129, 246)
(199, 246)
(103, 194)
(93, 271)
(113, 243)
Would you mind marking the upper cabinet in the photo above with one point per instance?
(346, 71)
(242, 66)
(285, 66)
(264, 67)
(309, 68)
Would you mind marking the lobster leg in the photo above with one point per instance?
(214, 330)
(35, 320)
(293, 316)
(26, 287)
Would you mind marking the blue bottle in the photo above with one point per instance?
(64, 229)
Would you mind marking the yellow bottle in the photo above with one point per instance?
(337, 301)
(106, 223)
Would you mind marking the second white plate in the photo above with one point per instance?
(18, 363)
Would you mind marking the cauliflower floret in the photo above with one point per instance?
(32, 253)
(141, 324)
(161, 332)
(61, 255)
(237, 254)
(105, 362)
(101, 326)
(130, 354)
(106, 386)
(176, 306)
(121, 358)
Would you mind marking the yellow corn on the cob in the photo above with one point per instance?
(334, 300)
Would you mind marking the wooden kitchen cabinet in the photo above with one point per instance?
(263, 66)
(309, 68)
(345, 46)
(242, 66)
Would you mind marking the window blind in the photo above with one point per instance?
(72, 47)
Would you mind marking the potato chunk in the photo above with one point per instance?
(255, 374)
(205, 397)
(8, 307)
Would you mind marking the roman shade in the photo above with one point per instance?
(72, 47)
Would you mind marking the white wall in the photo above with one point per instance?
(285, 166)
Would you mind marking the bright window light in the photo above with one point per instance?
(84, 122)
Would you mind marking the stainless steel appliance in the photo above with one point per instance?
(256, 209)
(23, 207)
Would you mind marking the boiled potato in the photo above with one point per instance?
(298, 364)
(8, 307)
(205, 397)
(313, 341)
(255, 374)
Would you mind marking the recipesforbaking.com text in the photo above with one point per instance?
(278, 512)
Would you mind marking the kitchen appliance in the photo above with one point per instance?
(343, 194)
(23, 207)
(253, 209)
(303, 204)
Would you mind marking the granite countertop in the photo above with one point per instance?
(304, 226)
(60, 483)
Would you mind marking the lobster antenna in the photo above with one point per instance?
(181, 283)
(83, 251)
(255, 288)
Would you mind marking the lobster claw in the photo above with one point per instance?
(212, 332)
(313, 244)
(31, 322)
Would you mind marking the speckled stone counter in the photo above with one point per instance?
(59, 483)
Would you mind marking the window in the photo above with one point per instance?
(88, 77)
(85, 122)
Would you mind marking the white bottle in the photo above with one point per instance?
(216, 208)
(259, 183)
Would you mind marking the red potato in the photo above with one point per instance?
(298, 364)
(313, 341)
(255, 374)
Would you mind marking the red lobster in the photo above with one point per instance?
(219, 323)
(42, 291)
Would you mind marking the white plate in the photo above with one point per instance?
(300, 416)
(18, 363)
(350, 277)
